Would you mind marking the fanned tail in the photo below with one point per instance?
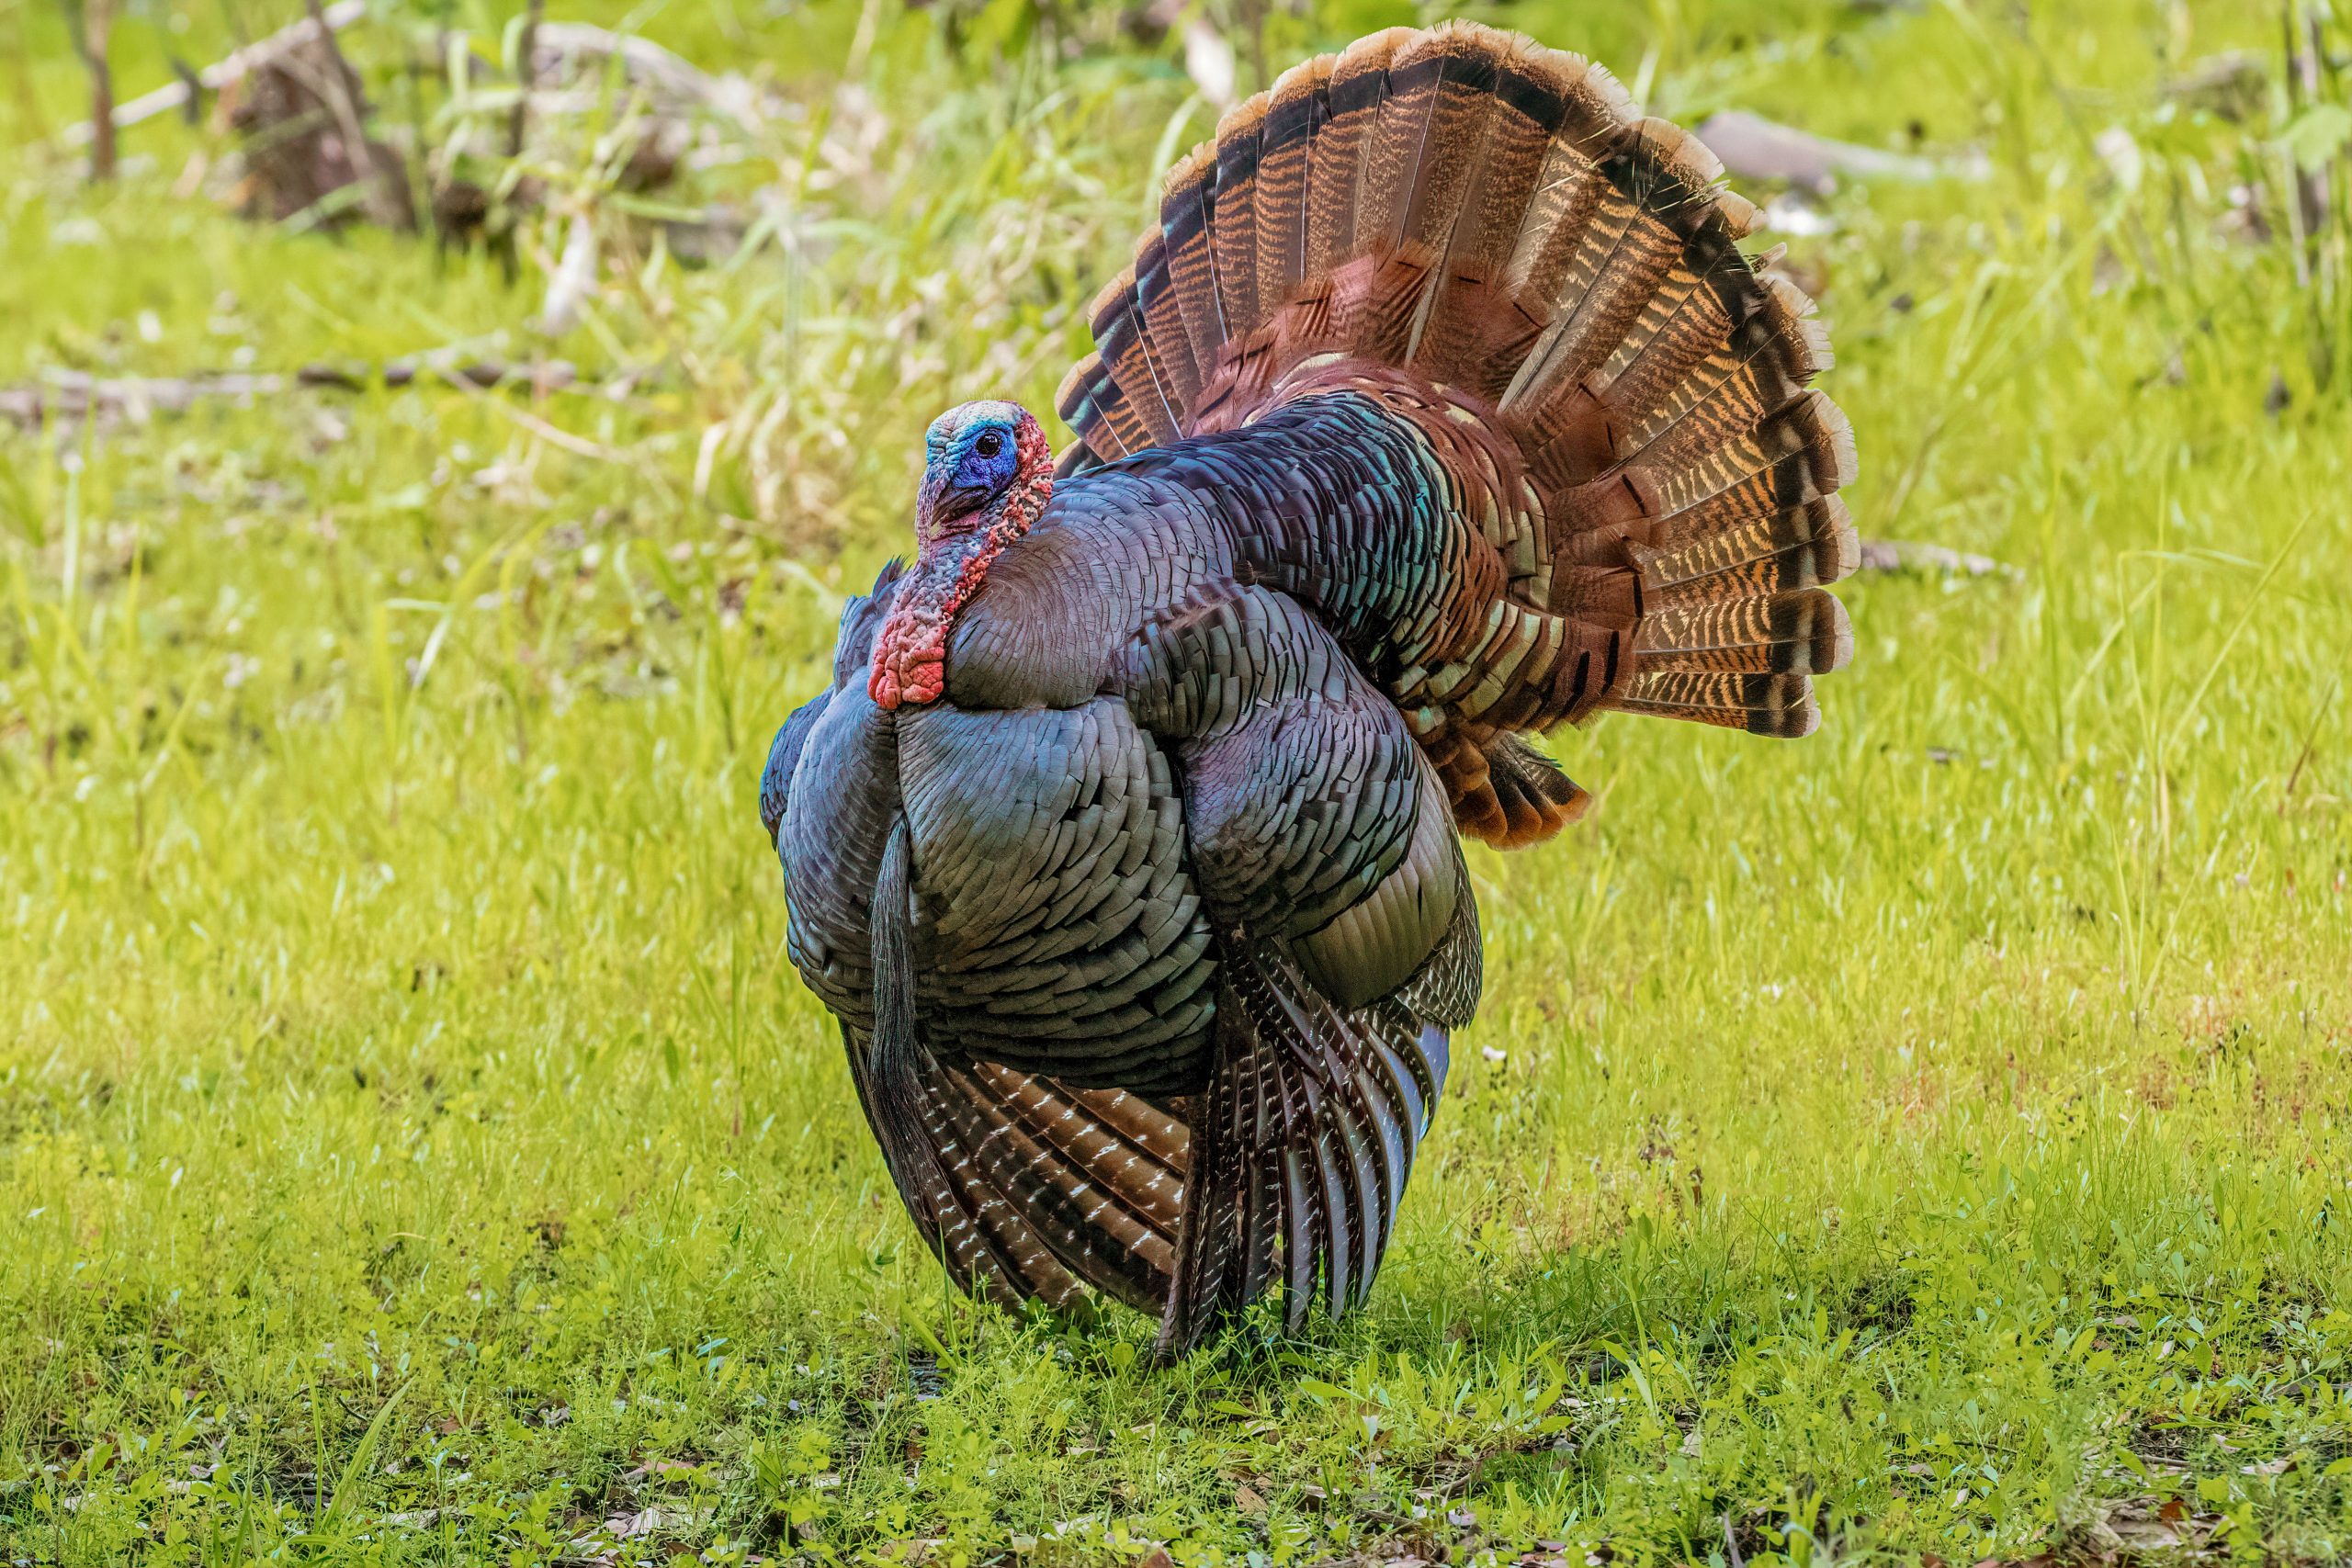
(1481, 234)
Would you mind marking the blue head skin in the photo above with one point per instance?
(971, 454)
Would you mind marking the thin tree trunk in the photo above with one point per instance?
(90, 39)
(524, 48)
(2305, 49)
(2307, 66)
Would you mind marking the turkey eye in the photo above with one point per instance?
(989, 445)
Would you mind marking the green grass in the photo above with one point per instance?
(415, 1147)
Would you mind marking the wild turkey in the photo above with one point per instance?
(1440, 407)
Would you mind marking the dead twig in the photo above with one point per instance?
(337, 84)
(1896, 555)
(578, 446)
(219, 74)
(542, 375)
(2311, 739)
(1754, 148)
(672, 86)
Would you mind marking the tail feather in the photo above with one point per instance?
(1476, 231)
(1614, 269)
(1808, 431)
(1165, 342)
(1804, 546)
(1301, 1147)
(1084, 401)
(1233, 230)
(1803, 633)
(1777, 705)
(1766, 335)
(1392, 167)
(1359, 81)
(1736, 408)
(1294, 113)
(1573, 184)
(1484, 223)
(1192, 265)
(1122, 335)
(1099, 394)
(1453, 131)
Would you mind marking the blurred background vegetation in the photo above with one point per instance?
(430, 468)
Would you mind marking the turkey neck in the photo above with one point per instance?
(952, 560)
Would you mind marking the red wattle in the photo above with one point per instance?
(911, 650)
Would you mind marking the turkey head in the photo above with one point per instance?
(987, 473)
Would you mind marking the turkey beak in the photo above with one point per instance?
(962, 501)
(943, 503)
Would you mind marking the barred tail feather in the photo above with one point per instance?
(1778, 705)
(1301, 1147)
(1027, 1189)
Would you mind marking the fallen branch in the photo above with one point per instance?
(220, 74)
(1896, 555)
(72, 396)
(1754, 148)
(672, 84)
